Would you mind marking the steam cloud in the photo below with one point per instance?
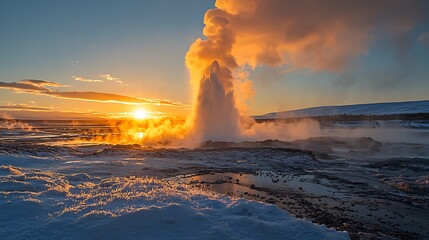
(238, 34)
(316, 35)
(216, 115)
(319, 35)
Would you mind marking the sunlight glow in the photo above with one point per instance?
(141, 114)
(140, 134)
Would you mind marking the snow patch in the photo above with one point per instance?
(136, 207)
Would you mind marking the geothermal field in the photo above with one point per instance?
(215, 119)
(360, 179)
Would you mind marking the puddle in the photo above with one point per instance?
(269, 180)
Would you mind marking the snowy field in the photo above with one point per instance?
(37, 204)
(355, 109)
(60, 193)
(373, 183)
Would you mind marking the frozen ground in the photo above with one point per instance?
(370, 187)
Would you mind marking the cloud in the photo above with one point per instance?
(30, 85)
(41, 83)
(313, 34)
(110, 97)
(24, 107)
(424, 39)
(28, 114)
(105, 76)
(73, 63)
(82, 79)
(40, 87)
(109, 77)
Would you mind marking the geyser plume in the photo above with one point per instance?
(216, 117)
(317, 35)
(210, 62)
(302, 34)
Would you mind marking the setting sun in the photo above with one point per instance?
(141, 114)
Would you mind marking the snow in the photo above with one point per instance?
(357, 109)
(37, 204)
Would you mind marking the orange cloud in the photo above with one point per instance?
(110, 97)
(30, 85)
(24, 107)
(313, 34)
(40, 87)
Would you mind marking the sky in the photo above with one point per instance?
(78, 59)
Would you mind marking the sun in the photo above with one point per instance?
(141, 114)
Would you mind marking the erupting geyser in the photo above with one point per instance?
(246, 34)
(216, 117)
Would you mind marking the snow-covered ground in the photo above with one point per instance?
(39, 204)
(356, 109)
(100, 192)
(361, 180)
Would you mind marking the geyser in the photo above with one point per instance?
(216, 116)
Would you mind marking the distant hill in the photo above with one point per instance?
(356, 109)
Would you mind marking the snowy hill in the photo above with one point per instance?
(357, 109)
